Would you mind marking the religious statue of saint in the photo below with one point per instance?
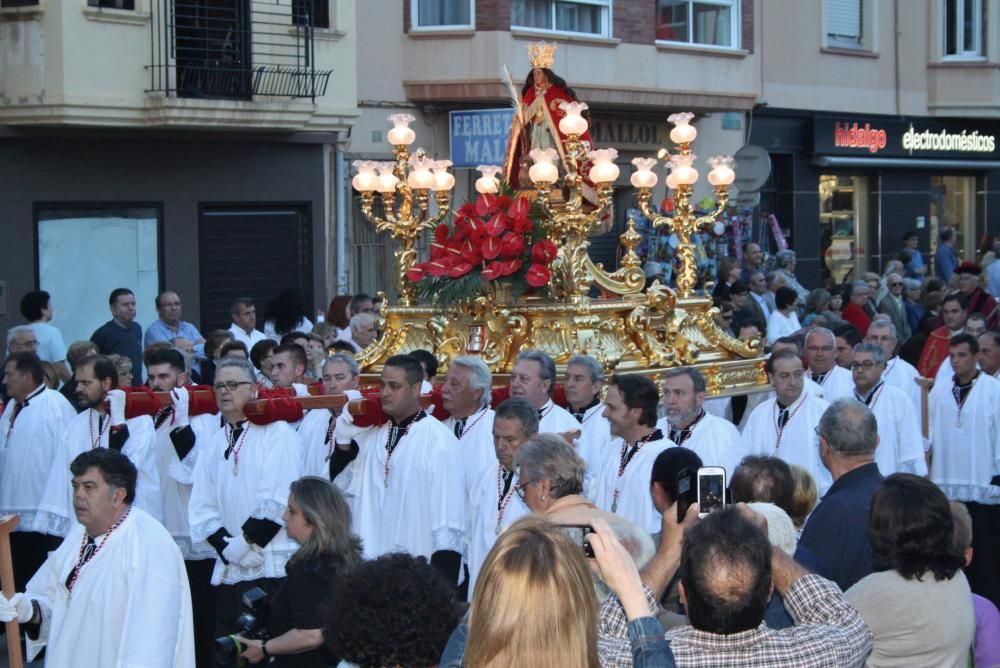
(537, 123)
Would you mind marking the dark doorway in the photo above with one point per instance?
(213, 40)
(251, 251)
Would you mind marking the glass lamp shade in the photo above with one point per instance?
(573, 123)
(488, 182)
(544, 170)
(365, 180)
(443, 181)
(604, 170)
(722, 173)
(643, 176)
(683, 132)
(401, 134)
(671, 181)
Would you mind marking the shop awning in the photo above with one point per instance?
(909, 163)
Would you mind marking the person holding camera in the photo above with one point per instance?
(319, 519)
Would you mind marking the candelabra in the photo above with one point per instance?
(681, 180)
(572, 222)
(403, 187)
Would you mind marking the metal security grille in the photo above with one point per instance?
(234, 49)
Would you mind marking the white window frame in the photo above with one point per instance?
(606, 25)
(416, 27)
(978, 52)
(734, 27)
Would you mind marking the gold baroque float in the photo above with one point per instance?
(636, 330)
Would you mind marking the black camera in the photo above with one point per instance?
(251, 624)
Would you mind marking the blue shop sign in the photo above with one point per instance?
(479, 136)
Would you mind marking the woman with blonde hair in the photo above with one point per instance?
(319, 519)
(534, 602)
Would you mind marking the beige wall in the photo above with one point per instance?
(910, 77)
(66, 63)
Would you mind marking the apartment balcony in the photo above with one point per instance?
(200, 64)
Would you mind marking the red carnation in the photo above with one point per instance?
(544, 252)
(513, 244)
(538, 276)
(491, 248)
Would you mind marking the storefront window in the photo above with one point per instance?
(843, 213)
(953, 204)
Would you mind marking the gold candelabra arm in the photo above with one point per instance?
(657, 220)
(722, 201)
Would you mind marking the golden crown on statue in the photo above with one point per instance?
(542, 54)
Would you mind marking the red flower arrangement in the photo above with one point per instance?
(496, 239)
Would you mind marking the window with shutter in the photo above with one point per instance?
(843, 22)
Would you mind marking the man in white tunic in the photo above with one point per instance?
(898, 372)
(30, 429)
(785, 426)
(289, 368)
(821, 347)
(180, 438)
(622, 485)
(965, 437)
(115, 592)
(900, 446)
(494, 503)
(240, 492)
(466, 394)
(716, 441)
(407, 487)
(101, 425)
(584, 377)
(533, 379)
(340, 376)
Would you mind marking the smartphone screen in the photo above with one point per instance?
(576, 533)
(711, 489)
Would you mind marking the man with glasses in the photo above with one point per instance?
(102, 424)
(240, 492)
(785, 425)
(900, 447)
(898, 372)
(169, 325)
(892, 305)
(821, 353)
(21, 339)
(497, 497)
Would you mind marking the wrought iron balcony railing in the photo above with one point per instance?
(234, 49)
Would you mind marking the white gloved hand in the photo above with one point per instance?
(301, 390)
(346, 431)
(116, 407)
(426, 387)
(236, 549)
(181, 400)
(253, 559)
(17, 607)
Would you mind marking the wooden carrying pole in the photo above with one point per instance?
(7, 525)
(257, 407)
